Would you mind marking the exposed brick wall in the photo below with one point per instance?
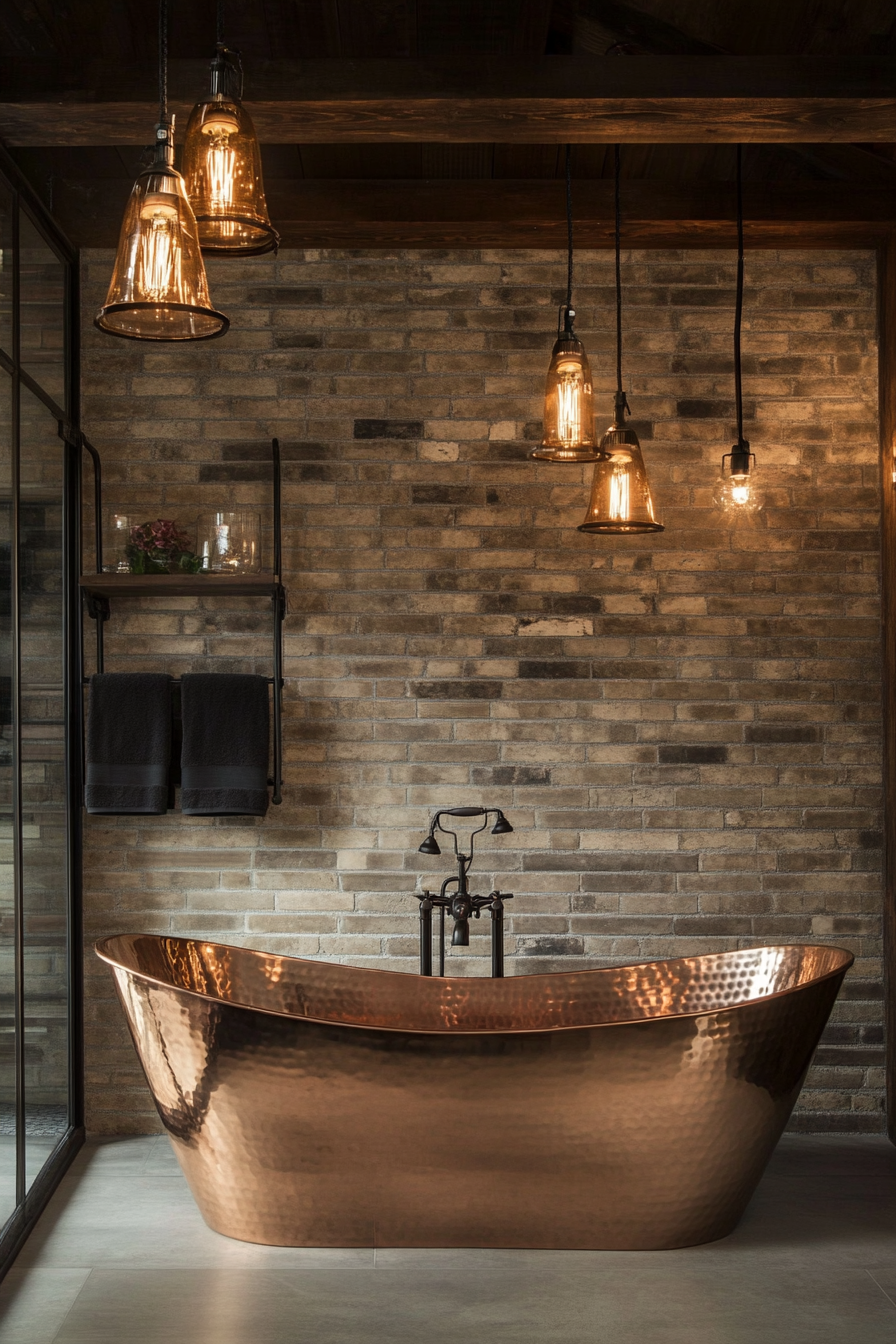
(684, 729)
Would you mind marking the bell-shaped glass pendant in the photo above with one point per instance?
(159, 290)
(738, 489)
(568, 404)
(222, 171)
(620, 491)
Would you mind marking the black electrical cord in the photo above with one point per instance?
(739, 301)
(568, 228)
(220, 23)
(163, 62)
(618, 275)
(621, 401)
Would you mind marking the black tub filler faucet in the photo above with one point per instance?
(460, 903)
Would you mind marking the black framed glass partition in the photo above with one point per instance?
(41, 1121)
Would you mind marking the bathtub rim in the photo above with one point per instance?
(100, 946)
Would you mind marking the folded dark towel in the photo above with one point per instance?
(224, 760)
(128, 742)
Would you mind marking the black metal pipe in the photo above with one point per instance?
(279, 613)
(441, 940)
(426, 935)
(97, 502)
(279, 601)
(15, 670)
(497, 913)
(278, 531)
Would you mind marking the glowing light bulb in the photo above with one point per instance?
(740, 490)
(220, 160)
(620, 494)
(160, 248)
(569, 406)
(737, 491)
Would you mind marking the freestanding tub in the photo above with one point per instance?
(313, 1104)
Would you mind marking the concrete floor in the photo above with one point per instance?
(122, 1257)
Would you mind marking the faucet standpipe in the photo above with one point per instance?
(462, 907)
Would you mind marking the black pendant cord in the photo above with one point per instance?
(228, 73)
(569, 228)
(739, 302)
(163, 62)
(621, 403)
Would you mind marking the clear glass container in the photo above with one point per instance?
(568, 406)
(230, 541)
(222, 171)
(159, 289)
(620, 501)
(116, 538)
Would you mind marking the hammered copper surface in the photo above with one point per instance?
(313, 1104)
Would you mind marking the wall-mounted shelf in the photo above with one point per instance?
(98, 590)
(181, 585)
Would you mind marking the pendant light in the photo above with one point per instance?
(158, 290)
(222, 165)
(736, 489)
(568, 394)
(620, 492)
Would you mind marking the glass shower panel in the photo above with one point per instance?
(7, 877)
(41, 311)
(44, 847)
(6, 269)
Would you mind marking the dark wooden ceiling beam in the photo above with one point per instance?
(496, 213)
(645, 99)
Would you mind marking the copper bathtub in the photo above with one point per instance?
(313, 1104)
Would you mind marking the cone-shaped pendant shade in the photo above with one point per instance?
(620, 491)
(159, 290)
(222, 171)
(568, 405)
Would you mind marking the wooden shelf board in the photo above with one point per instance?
(181, 585)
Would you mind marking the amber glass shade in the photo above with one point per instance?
(568, 406)
(620, 491)
(738, 489)
(222, 171)
(159, 290)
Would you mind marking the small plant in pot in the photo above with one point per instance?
(161, 547)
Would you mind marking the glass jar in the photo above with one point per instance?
(230, 542)
(116, 535)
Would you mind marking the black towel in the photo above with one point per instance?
(128, 742)
(224, 760)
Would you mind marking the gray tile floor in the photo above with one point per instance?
(122, 1257)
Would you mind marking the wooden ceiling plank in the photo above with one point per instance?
(554, 100)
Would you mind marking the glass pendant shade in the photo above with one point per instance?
(222, 171)
(159, 290)
(568, 405)
(738, 487)
(620, 491)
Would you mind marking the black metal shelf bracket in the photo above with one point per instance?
(99, 608)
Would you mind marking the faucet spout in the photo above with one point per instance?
(461, 909)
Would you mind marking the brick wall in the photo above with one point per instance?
(684, 729)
